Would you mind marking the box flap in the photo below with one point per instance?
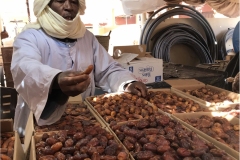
(29, 130)
(148, 54)
(6, 125)
(133, 59)
(149, 59)
(126, 57)
(137, 49)
(183, 83)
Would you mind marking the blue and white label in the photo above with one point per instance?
(158, 79)
(131, 69)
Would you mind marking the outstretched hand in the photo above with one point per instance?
(137, 88)
(74, 83)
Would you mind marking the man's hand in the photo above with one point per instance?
(74, 83)
(137, 88)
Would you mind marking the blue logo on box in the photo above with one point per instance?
(158, 79)
(131, 68)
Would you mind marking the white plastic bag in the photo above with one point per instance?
(131, 7)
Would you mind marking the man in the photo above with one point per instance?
(235, 38)
(55, 58)
(236, 43)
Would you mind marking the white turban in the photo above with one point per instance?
(54, 24)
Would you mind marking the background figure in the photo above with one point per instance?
(235, 84)
(235, 39)
(234, 79)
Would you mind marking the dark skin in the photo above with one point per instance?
(73, 83)
(68, 9)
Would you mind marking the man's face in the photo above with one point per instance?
(68, 9)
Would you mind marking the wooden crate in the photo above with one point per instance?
(7, 58)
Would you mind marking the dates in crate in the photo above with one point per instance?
(92, 143)
(209, 95)
(168, 140)
(218, 128)
(234, 111)
(7, 146)
(121, 107)
(74, 118)
(172, 103)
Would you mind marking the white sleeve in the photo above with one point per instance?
(32, 79)
(109, 74)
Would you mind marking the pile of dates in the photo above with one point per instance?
(160, 138)
(172, 103)
(234, 111)
(93, 143)
(74, 118)
(209, 95)
(7, 146)
(218, 128)
(121, 107)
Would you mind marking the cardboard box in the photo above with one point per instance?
(7, 126)
(29, 131)
(32, 137)
(36, 137)
(74, 116)
(187, 128)
(95, 112)
(180, 94)
(76, 99)
(181, 84)
(190, 84)
(145, 68)
(101, 118)
(181, 116)
(140, 50)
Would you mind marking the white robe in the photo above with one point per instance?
(37, 58)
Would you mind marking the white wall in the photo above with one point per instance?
(13, 10)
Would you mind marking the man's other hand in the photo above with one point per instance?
(137, 88)
(74, 83)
